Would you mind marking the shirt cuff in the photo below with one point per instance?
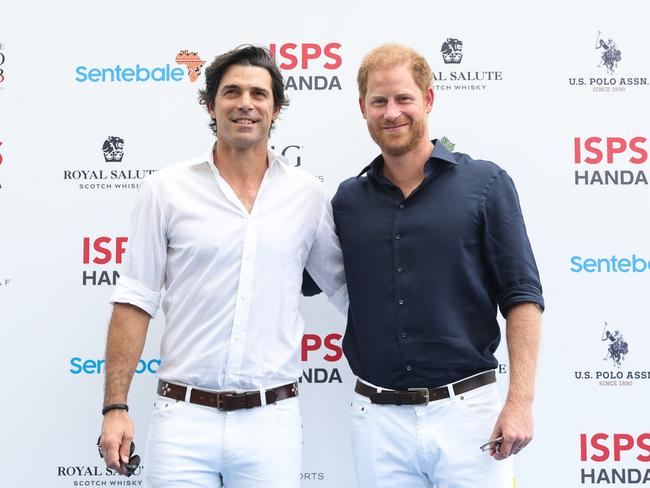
(131, 291)
(520, 294)
(340, 300)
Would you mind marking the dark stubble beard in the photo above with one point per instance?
(392, 148)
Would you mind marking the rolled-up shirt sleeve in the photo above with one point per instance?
(142, 280)
(508, 251)
(325, 260)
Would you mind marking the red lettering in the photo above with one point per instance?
(641, 442)
(336, 58)
(120, 249)
(310, 342)
(309, 51)
(589, 146)
(615, 145)
(583, 447)
(634, 146)
(622, 442)
(577, 144)
(102, 250)
(285, 52)
(0, 154)
(599, 447)
(336, 349)
(86, 250)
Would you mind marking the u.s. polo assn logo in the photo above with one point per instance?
(610, 369)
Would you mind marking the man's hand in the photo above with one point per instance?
(515, 424)
(117, 435)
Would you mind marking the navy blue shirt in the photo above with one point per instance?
(425, 273)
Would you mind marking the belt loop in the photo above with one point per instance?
(188, 393)
(262, 397)
(450, 389)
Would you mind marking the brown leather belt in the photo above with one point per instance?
(422, 396)
(227, 400)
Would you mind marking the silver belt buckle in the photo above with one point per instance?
(426, 395)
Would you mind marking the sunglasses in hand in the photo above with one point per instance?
(131, 466)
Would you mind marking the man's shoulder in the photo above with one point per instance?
(299, 178)
(178, 172)
(477, 167)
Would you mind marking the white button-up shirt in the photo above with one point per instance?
(232, 279)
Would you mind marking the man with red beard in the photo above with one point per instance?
(432, 242)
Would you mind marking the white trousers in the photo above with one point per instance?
(195, 446)
(430, 445)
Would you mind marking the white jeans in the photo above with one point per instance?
(195, 446)
(435, 444)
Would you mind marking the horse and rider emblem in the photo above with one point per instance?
(617, 348)
(610, 56)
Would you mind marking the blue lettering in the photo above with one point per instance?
(106, 71)
(589, 265)
(577, 267)
(95, 75)
(138, 70)
(81, 71)
(624, 265)
(128, 74)
(153, 362)
(160, 72)
(606, 262)
(76, 369)
(636, 261)
(89, 366)
(177, 74)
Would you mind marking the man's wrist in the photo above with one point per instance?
(114, 406)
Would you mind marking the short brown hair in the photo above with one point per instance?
(390, 55)
(244, 55)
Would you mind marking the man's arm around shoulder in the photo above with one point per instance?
(126, 336)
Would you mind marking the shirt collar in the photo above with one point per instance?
(440, 154)
(271, 155)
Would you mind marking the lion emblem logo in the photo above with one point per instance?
(113, 149)
(452, 51)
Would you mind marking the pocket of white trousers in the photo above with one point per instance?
(360, 410)
(484, 403)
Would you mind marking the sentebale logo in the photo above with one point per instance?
(142, 74)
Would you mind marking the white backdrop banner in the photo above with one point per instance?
(94, 96)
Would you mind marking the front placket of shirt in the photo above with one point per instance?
(400, 268)
(245, 287)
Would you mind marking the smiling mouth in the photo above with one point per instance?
(394, 127)
(245, 121)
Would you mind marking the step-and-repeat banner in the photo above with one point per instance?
(94, 96)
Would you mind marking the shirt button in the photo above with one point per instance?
(401, 205)
(400, 301)
(398, 237)
(404, 335)
(400, 268)
(409, 368)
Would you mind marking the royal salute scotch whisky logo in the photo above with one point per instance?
(605, 74)
(452, 51)
(308, 66)
(113, 149)
(473, 77)
(107, 177)
(613, 350)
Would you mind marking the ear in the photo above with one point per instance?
(276, 112)
(211, 110)
(428, 99)
(362, 106)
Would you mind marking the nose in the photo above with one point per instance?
(392, 110)
(245, 102)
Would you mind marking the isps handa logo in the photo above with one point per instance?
(326, 348)
(473, 76)
(608, 74)
(309, 66)
(614, 350)
(108, 177)
(614, 458)
(610, 160)
(186, 65)
(100, 257)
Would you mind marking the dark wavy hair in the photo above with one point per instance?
(244, 55)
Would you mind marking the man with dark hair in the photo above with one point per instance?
(227, 235)
(432, 242)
